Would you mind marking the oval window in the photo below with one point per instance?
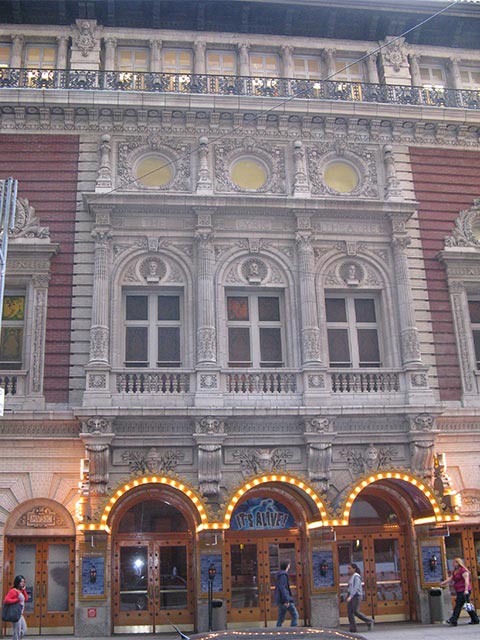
(248, 173)
(341, 177)
(154, 171)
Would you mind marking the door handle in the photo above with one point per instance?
(44, 589)
(157, 591)
(38, 589)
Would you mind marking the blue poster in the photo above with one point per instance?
(261, 513)
(432, 564)
(207, 561)
(93, 576)
(322, 569)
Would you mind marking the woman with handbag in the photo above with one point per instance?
(460, 579)
(18, 594)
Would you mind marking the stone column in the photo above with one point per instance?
(62, 48)
(110, 53)
(206, 325)
(454, 73)
(287, 61)
(408, 331)
(372, 69)
(415, 69)
(99, 331)
(199, 48)
(37, 358)
(465, 346)
(17, 51)
(155, 56)
(243, 59)
(330, 62)
(310, 332)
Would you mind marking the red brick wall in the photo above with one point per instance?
(446, 182)
(46, 168)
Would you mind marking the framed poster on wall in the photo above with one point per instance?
(432, 562)
(323, 566)
(93, 577)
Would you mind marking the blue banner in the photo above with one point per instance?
(261, 513)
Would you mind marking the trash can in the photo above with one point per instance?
(218, 616)
(437, 609)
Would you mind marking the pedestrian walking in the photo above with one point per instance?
(284, 597)
(460, 579)
(354, 596)
(18, 593)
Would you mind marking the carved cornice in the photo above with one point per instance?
(384, 128)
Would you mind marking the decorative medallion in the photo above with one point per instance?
(153, 269)
(352, 273)
(466, 232)
(254, 270)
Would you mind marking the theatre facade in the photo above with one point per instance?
(241, 321)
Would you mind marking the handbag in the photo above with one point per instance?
(468, 606)
(12, 612)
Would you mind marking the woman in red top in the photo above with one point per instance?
(460, 579)
(18, 594)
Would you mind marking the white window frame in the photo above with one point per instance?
(473, 326)
(351, 325)
(133, 50)
(42, 46)
(255, 325)
(470, 84)
(153, 324)
(5, 62)
(432, 83)
(221, 71)
(306, 74)
(179, 68)
(264, 72)
(17, 291)
(348, 75)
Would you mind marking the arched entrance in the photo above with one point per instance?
(267, 526)
(152, 564)
(40, 545)
(381, 513)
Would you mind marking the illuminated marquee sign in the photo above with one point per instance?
(261, 513)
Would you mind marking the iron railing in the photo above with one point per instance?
(153, 82)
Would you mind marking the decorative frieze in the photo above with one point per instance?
(369, 460)
(142, 461)
(253, 462)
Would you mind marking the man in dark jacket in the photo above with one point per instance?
(283, 596)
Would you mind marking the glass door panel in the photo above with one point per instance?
(58, 577)
(348, 551)
(244, 581)
(25, 565)
(173, 578)
(387, 570)
(134, 583)
(279, 552)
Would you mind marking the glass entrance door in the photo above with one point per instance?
(253, 565)
(49, 569)
(381, 559)
(152, 585)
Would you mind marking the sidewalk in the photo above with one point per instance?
(381, 631)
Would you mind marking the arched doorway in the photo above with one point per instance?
(152, 564)
(40, 545)
(382, 512)
(267, 526)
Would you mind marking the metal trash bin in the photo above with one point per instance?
(218, 615)
(437, 608)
